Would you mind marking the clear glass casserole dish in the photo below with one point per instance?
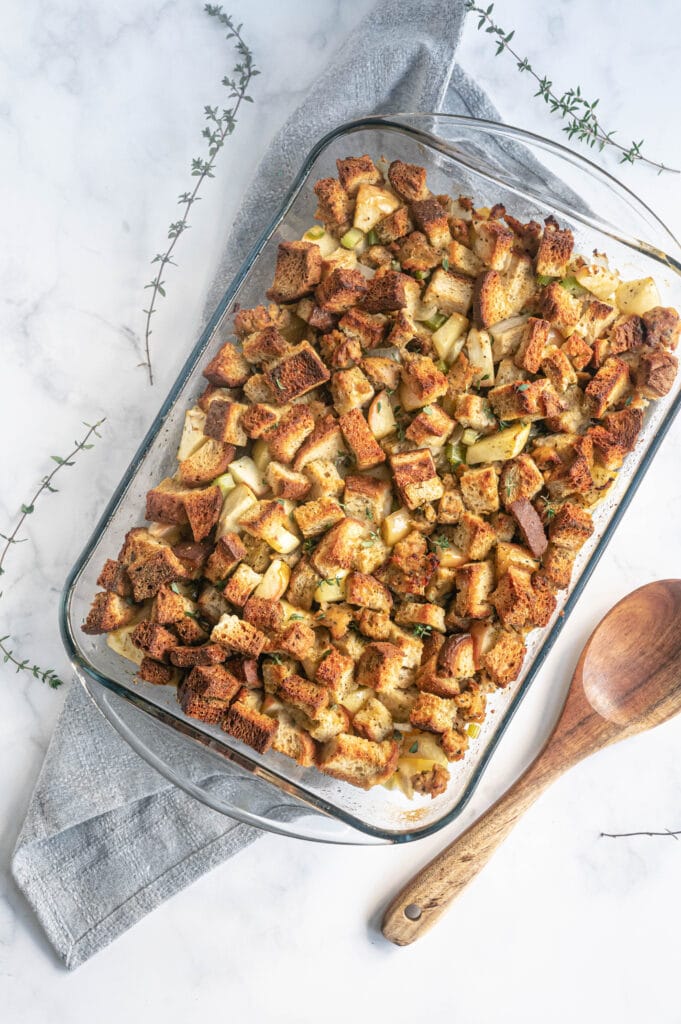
(495, 164)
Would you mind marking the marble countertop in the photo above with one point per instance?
(100, 111)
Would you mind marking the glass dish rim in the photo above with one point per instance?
(402, 122)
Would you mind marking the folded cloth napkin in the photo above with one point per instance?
(106, 838)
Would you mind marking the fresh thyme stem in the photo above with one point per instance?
(582, 120)
(220, 126)
(46, 485)
(627, 835)
(46, 675)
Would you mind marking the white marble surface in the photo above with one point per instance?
(99, 115)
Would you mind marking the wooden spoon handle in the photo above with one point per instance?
(428, 895)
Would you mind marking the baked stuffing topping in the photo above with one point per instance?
(387, 479)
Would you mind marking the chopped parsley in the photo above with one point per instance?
(414, 747)
(445, 264)
(523, 387)
(441, 542)
(175, 589)
(420, 630)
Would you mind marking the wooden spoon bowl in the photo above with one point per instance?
(627, 680)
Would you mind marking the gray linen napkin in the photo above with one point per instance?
(106, 839)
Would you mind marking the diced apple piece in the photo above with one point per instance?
(356, 700)
(396, 526)
(225, 482)
(237, 502)
(506, 336)
(245, 471)
(451, 557)
(275, 581)
(427, 749)
(637, 297)
(192, 433)
(479, 348)
(326, 242)
(333, 588)
(482, 634)
(600, 281)
(165, 532)
(119, 641)
(373, 204)
(380, 418)
(499, 447)
(449, 339)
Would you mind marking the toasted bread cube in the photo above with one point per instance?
(520, 478)
(512, 597)
(153, 639)
(451, 507)
(560, 307)
(555, 250)
(490, 301)
(203, 507)
(206, 709)
(265, 346)
(241, 585)
(656, 373)
(474, 412)
(463, 259)
(357, 170)
(108, 612)
(431, 427)
(290, 738)
(286, 483)
(338, 548)
(298, 271)
(330, 722)
(379, 666)
(526, 400)
(147, 575)
(373, 721)
(627, 334)
(325, 442)
(557, 565)
(578, 351)
(302, 585)
(360, 440)
(416, 477)
(297, 373)
(365, 591)
(207, 462)
(595, 319)
(240, 636)
(432, 713)
(359, 761)
(228, 552)
(431, 218)
(334, 207)
(368, 329)
(533, 345)
(395, 226)
(492, 242)
(389, 290)
(350, 389)
(409, 181)
(450, 291)
(285, 439)
(607, 387)
(157, 673)
(558, 369)
(474, 536)
(228, 369)
(165, 502)
(247, 321)
(371, 554)
(189, 657)
(571, 527)
(268, 521)
(214, 682)
(519, 283)
(265, 614)
(422, 382)
(480, 490)
(318, 516)
(455, 658)
(616, 436)
(335, 671)
(250, 726)
(223, 422)
(365, 497)
(663, 327)
(114, 578)
(504, 660)
(423, 614)
(324, 479)
(474, 583)
(508, 554)
(342, 289)
(258, 418)
(304, 695)
(471, 703)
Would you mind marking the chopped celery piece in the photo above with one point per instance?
(225, 482)
(469, 436)
(372, 238)
(473, 730)
(436, 321)
(352, 238)
(314, 232)
(455, 453)
(421, 275)
(396, 265)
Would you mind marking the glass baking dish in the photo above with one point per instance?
(494, 163)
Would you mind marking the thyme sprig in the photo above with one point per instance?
(45, 675)
(582, 120)
(221, 124)
(627, 835)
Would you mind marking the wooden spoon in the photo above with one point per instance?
(628, 679)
